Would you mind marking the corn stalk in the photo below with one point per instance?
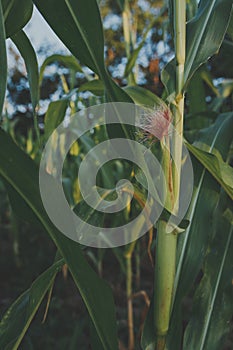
(167, 242)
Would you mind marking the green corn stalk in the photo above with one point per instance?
(167, 242)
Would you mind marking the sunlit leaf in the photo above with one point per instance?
(143, 97)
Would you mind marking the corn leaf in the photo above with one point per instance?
(3, 60)
(18, 317)
(94, 291)
(193, 243)
(214, 163)
(26, 49)
(82, 33)
(68, 61)
(16, 15)
(213, 307)
(54, 116)
(205, 33)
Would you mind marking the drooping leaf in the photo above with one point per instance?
(68, 61)
(18, 317)
(26, 49)
(205, 33)
(213, 307)
(95, 86)
(3, 60)
(143, 97)
(16, 15)
(214, 163)
(94, 291)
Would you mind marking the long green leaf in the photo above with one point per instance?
(85, 41)
(213, 307)
(193, 242)
(3, 60)
(205, 33)
(16, 15)
(220, 170)
(143, 97)
(230, 27)
(94, 291)
(26, 49)
(95, 86)
(196, 93)
(68, 61)
(82, 33)
(18, 317)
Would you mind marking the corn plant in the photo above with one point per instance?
(202, 242)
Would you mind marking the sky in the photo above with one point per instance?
(43, 39)
(41, 35)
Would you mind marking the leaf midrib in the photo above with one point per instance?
(187, 233)
(190, 59)
(211, 307)
(69, 6)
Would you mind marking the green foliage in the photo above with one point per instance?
(68, 61)
(18, 317)
(96, 294)
(25, 48)
(192, 246)
(3, 59)
(221, 171)
(54, 116)
(212, 308)
(205, 33)
(82, 36)
(204, 250)
(16, 15)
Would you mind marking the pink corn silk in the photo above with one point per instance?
(156, 123)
